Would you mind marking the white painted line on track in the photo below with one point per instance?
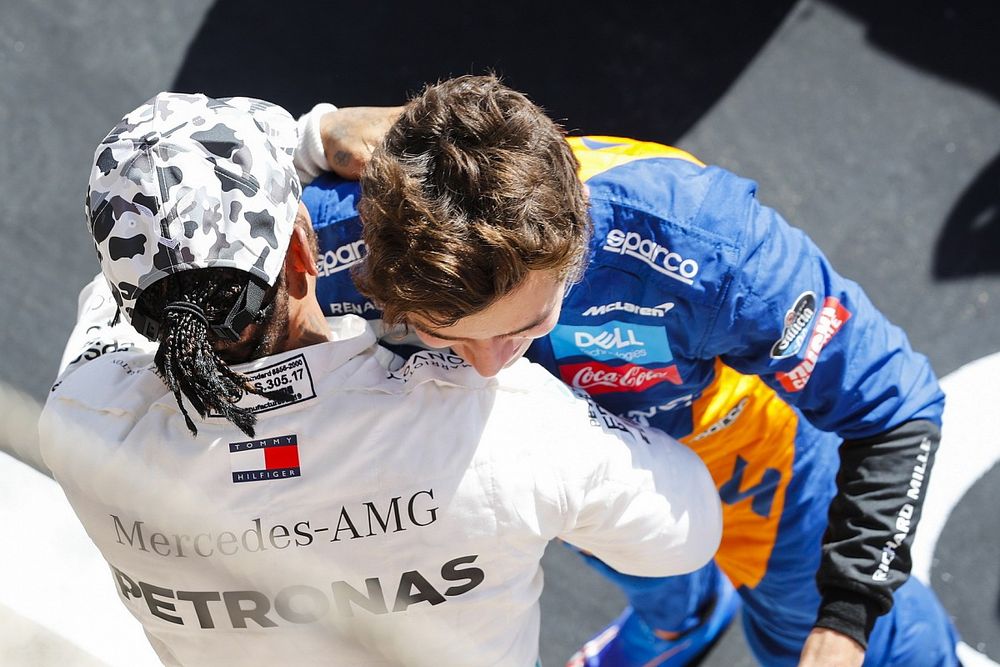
(970, 447)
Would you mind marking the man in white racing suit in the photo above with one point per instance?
(329, 503)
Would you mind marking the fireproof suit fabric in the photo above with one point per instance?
(705, 314)
(385, 513)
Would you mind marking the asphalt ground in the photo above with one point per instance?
(875, 129)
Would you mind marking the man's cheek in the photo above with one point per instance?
(519, 353)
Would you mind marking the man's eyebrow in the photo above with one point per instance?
(526, 327)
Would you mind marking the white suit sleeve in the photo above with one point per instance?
(649, 507)
(310, 159)
(94, 335)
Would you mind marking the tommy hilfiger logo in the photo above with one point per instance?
(267, 458)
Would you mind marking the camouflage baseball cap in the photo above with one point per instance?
(190, 182)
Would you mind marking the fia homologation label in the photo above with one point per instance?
(285, 383)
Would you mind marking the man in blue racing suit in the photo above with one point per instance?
(702, 313)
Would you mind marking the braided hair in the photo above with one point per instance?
(187, 360)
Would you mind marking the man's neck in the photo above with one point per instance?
(306, 324)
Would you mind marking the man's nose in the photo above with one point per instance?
(488, 356)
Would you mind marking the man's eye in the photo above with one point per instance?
(434, 341)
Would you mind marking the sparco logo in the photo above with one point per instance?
(96, 349)
(344, 257)
(726, 421)
(797, 321)
(596, 378)
(652, 253)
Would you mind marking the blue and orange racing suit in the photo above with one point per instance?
(704, 314)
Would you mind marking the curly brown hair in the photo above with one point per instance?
(472, 187)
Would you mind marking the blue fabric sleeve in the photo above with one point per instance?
(817, 339)
(846, 367)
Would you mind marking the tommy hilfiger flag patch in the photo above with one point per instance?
(267, 458)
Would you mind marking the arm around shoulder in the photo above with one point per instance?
(96, 331)
(310, 159)
(650, 507)
(340, 140)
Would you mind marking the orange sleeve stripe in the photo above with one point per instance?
(605, 152)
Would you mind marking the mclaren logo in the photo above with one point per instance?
(644, 311)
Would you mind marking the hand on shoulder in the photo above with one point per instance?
(351, 134)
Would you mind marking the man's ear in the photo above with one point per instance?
(300, 264)
(299, 257)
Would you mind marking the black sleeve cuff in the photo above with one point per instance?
(849, 613)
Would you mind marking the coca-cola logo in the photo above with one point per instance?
(597, 378)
